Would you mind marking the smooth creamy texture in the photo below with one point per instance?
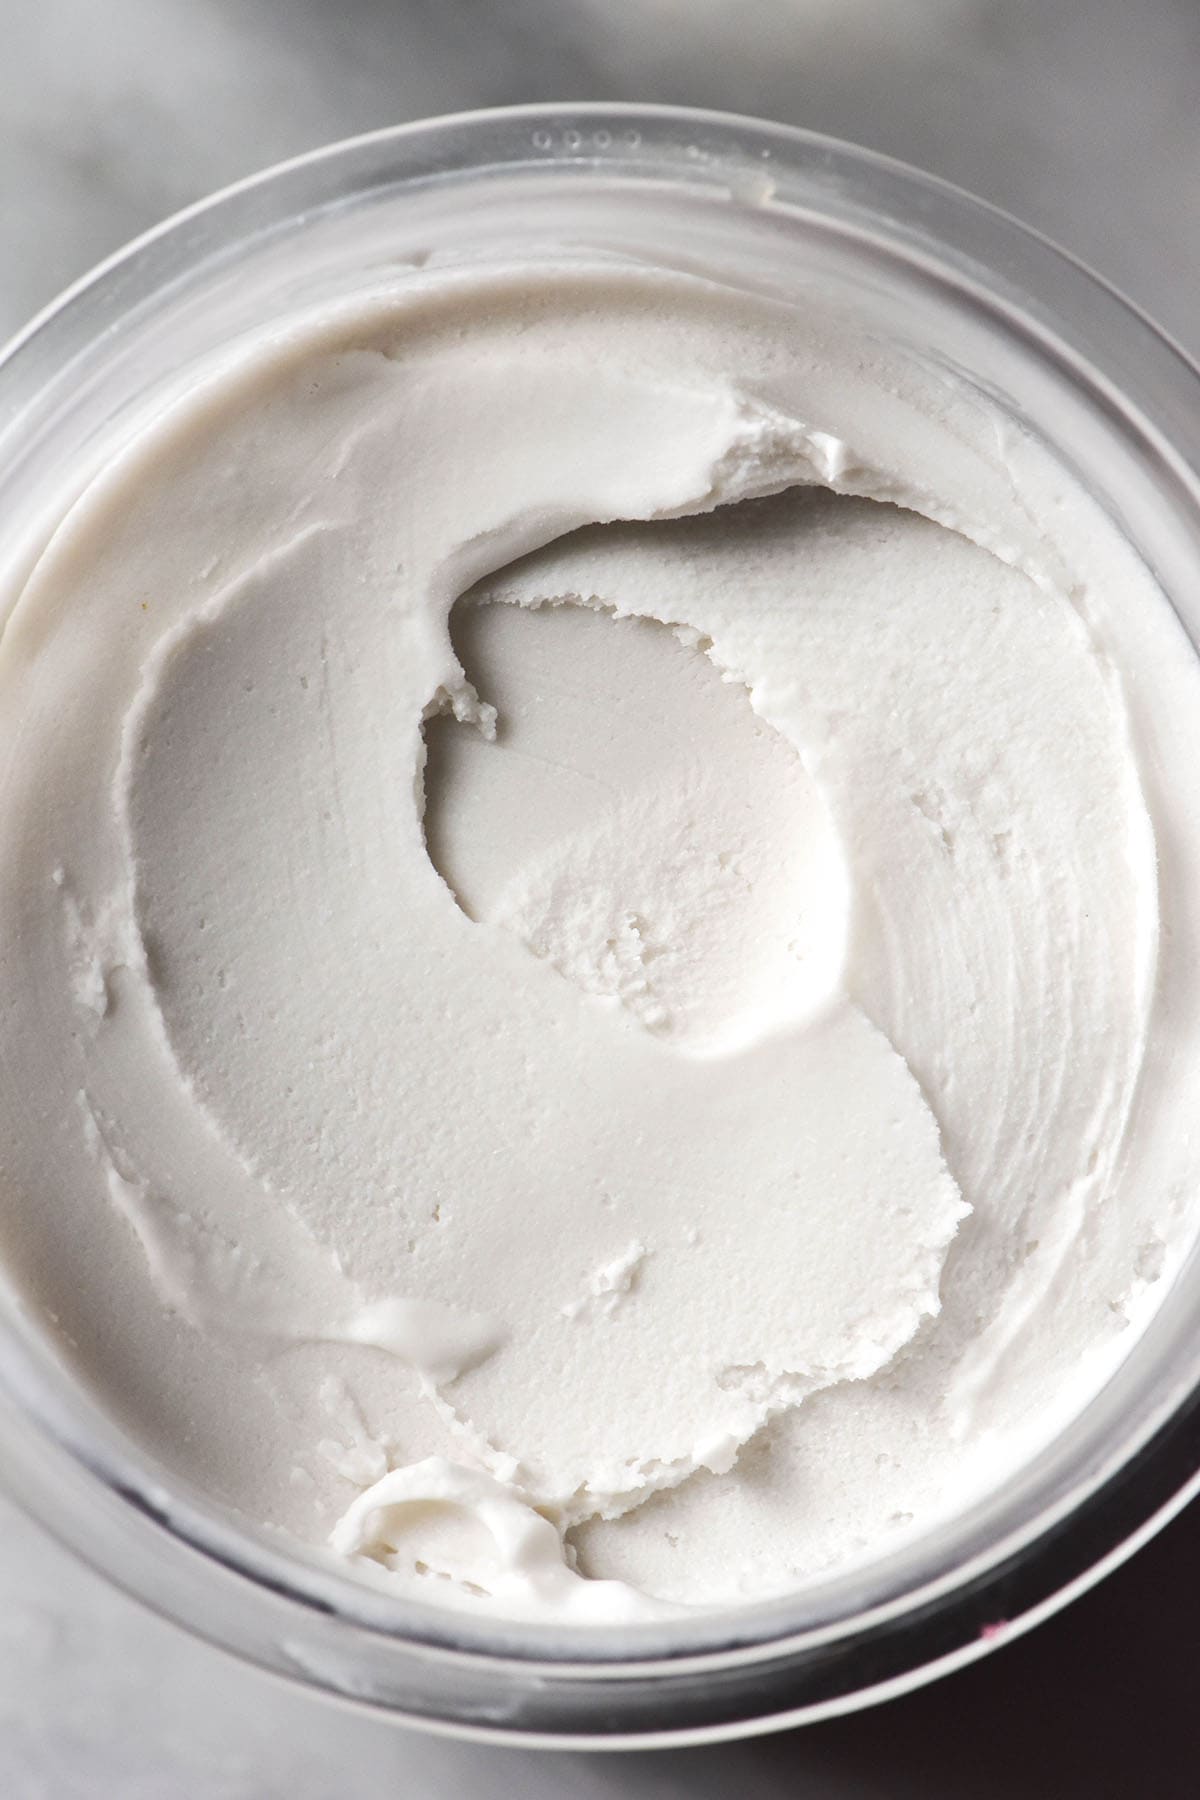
(631, 1091)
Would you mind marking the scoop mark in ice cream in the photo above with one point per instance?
(630, 818)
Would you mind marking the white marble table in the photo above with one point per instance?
(1080, 116)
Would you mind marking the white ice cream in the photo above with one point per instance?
(588, 1004)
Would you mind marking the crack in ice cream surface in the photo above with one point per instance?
(798, 898)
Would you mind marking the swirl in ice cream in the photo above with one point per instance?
(582, 939)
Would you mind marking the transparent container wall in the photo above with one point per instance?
(779, 213)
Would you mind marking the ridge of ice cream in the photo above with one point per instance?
(589, 1004)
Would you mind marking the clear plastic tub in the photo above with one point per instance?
(772, 210)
